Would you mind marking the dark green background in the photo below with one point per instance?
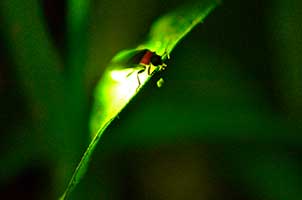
(226, 124)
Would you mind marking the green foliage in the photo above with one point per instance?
(232, 88)
(120, 84)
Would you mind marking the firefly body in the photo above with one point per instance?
(151, 57)
(148, 59)
(143, 60)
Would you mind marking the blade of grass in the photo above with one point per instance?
(77, 25)
(38, 65)
(38, 68)
(119, 84)
(77, 34)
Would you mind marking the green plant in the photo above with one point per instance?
(120, 84)
(231, 100)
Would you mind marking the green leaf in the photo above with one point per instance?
(124, 78)
(171, 28)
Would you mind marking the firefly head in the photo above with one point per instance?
(156, 60)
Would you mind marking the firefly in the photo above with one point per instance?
(148, 61)
(141, 61)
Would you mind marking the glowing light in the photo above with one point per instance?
(121, 75)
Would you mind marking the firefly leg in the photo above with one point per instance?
(129, 74)
(149, 70)
(166, 52)
(137, 76)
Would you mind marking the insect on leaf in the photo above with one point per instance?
(125, 77)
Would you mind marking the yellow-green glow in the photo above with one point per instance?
(118, 87)
(125, 83)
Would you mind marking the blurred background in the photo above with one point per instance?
(226, 124)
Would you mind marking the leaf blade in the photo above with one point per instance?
(167, 32)
(121, 83)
